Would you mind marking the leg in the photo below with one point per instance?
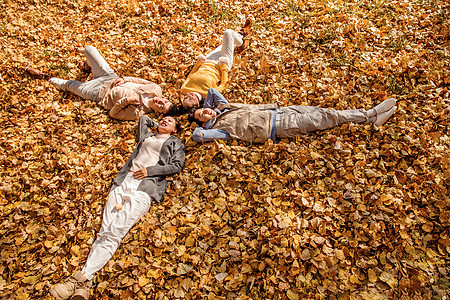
(295, 120)
(116, 224)
(86, 90)
(231, 39)
(98, 64)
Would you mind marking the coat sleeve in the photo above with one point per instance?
(200, 60)
(223, 77)
(122, 111)
(208, 135)
(214, 98)
(175, 165)
(136, 80)
(144, 124)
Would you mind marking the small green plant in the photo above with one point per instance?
(397, 43)
(158, 48)
(395, 87)
(183, 29)
(323, 37)
(292, 9)
(61, 69)
(217, 12)
(268, 24)
(302, 20)
(340, 61)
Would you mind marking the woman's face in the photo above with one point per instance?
(190, 100)
(160, 105)
(204, 114)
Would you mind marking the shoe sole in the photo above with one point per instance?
(80, 294)
(385, 106)
(55, 294)
(383, 117)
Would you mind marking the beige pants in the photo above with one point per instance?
(295, 120)
(101, 72)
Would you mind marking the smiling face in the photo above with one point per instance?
(204, 114)
(190, 100)
(160, 105)
(168, 125)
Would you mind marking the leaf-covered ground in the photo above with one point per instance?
(355, 212)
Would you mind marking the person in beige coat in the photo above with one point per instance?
(126, 98)
(257, 123)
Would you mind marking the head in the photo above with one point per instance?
(203, 115)
(191, 99)
(160, 105)
(168, 125)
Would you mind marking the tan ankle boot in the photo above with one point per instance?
(81, 294)
(73, 284)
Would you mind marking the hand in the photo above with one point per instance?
(140, 174)
(117, 82)
(133, 101)
(201, 58)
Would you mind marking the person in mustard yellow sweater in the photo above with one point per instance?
(211, 71)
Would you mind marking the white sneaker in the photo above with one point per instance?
(384, 106)
(384, 116)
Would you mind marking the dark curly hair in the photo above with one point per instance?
(191, 114)
(173, 110)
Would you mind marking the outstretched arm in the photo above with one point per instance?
(208, 135)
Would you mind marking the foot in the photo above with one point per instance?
(75, 285)
(384, 116)
(36, 74)
(81, 294)
(382, 107)
(244, 46)
(85, 67)
(247, 28)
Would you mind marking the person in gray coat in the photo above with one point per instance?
(141, 181)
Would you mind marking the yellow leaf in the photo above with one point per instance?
(190, 241)
(315, 155)
(372, 276)
(427, 227)
(143, 281)
(386, 199)
(172, 229)
(354, 280)
(48, 244)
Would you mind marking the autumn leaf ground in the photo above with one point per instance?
(355, 212)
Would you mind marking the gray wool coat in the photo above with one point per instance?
(171, 160)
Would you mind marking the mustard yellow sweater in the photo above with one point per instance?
(205, 75)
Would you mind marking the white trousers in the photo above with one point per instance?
(230, 40)
(101, 72)
(294, 120)
(116, 224)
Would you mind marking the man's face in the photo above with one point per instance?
(161, 105)
(204, 114)
(168, 125)
(190, 100)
